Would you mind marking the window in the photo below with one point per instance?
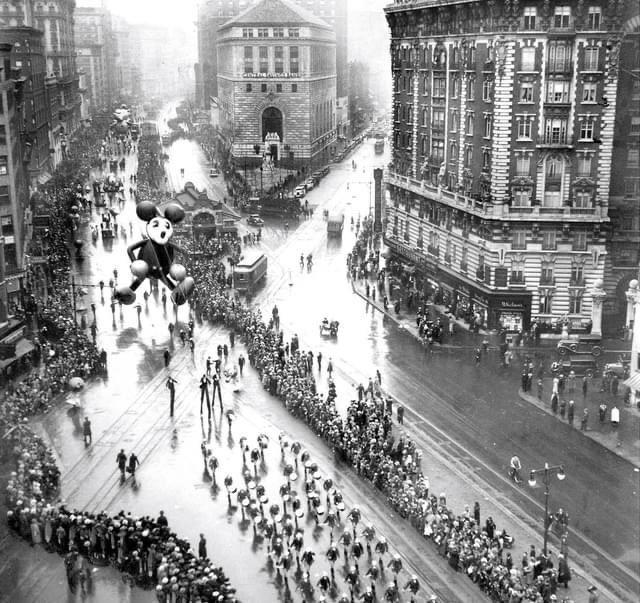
(424, 145)
(524, 126)
(549, 239)
(455, 86)
(591, 56)
(437, 121)
(453, 152)
(633, 156)
(463, 258)
(530, 14)
(437, 150)
(589, 90)
(468, 156)
(294, 32)
(580, 240)
(546, 301)
(593, 17)
(248, 89)
(586, 128)
(488, 124)
(486, 159)
(293, 59)
(577, 274)
(487, 89)
(546, 273)
(263, 53)
(526, 92)
(248, 59)
(247, 32)
(562, 17)
(263, 32)
(521, 197)
(575, 301)
(471, 88)
(278, 32)
(635, 126)
(3, 135)
(519, 239)
(278, 54)
(523, 164)
(558, 91)
(453, 121)
(582, 200)
(439, 87)
(294, 87)
(263, 87)
(517, 272)
(4, 195)
(278, 87)
(3, 165)
(559, 57)
(555, 131)
(528, 59)
(469, 124)
(584, 164)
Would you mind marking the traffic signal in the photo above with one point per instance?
(256, 148)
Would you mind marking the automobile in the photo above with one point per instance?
(309, 183)
(213, 173)
(255, 220)
(585, 344)
(580, 364)
(300, 191)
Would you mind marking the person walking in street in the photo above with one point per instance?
(241, 362)
(571, 411)
(167, 358)
(400, 414)
(329, 367)
(171, 386)
(121, 459)
(319, 359)
(232, 338)
(585, 420)
(585, 386)
(204, 393)
(216, 387)
(202, 547)
(86, 431)
(133, 464)
(209, 364)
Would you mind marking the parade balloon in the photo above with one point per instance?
(139, 268)
(178, 272)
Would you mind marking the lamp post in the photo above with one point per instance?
(546, 472)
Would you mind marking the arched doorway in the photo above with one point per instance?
(272, 122)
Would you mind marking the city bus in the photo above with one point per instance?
(249, 271)
(379, 146)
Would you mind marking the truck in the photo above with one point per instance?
(335, 224)
(249, 271)
(379, 146)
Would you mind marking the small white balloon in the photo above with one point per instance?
(139, 268)
(178, 272)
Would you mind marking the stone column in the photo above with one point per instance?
(633, 297)
(597, 296)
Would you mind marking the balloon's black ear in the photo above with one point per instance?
(146, 211)
(174, 213)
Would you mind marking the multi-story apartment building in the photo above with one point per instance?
(28, 62)
(96, 53)
(503, 134)
(14, 187)
(623, 241)
(55, 19)
(277, 84)
(212, 14)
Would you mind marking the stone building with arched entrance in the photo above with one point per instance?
(277, 86)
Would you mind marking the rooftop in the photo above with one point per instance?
(275, 12)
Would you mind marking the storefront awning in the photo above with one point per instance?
(633, 382)
(23, 347)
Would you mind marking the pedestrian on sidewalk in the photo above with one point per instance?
(209, 364)
(167, 357)
(319, 359)
(400, 414)
(584, 420)
(329, 367)
(378, 377)
(476, 513)
(585, 386)
(86, 431)
(564, 573)
(554, 403)
(241, 362)
(121, 459)
(133, 463)
(570, 412)
(232, 338)
(540, 389)
(593, 594)
(172, 393)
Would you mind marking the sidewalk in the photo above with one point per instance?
(623, 440)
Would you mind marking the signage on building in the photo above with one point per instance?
(270, 76)
(511, 305)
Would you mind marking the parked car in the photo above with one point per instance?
(255, 220)
(309, 183)
(213, 173)
(586, 344)
(300, 191)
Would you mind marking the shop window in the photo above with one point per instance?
(575, 301)
(545, 305)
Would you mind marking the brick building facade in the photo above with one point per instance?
(277, 85)
(503, 133)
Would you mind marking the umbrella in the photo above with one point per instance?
(76, 382)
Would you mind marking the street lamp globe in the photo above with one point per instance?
(532, 479)
(561, 474)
